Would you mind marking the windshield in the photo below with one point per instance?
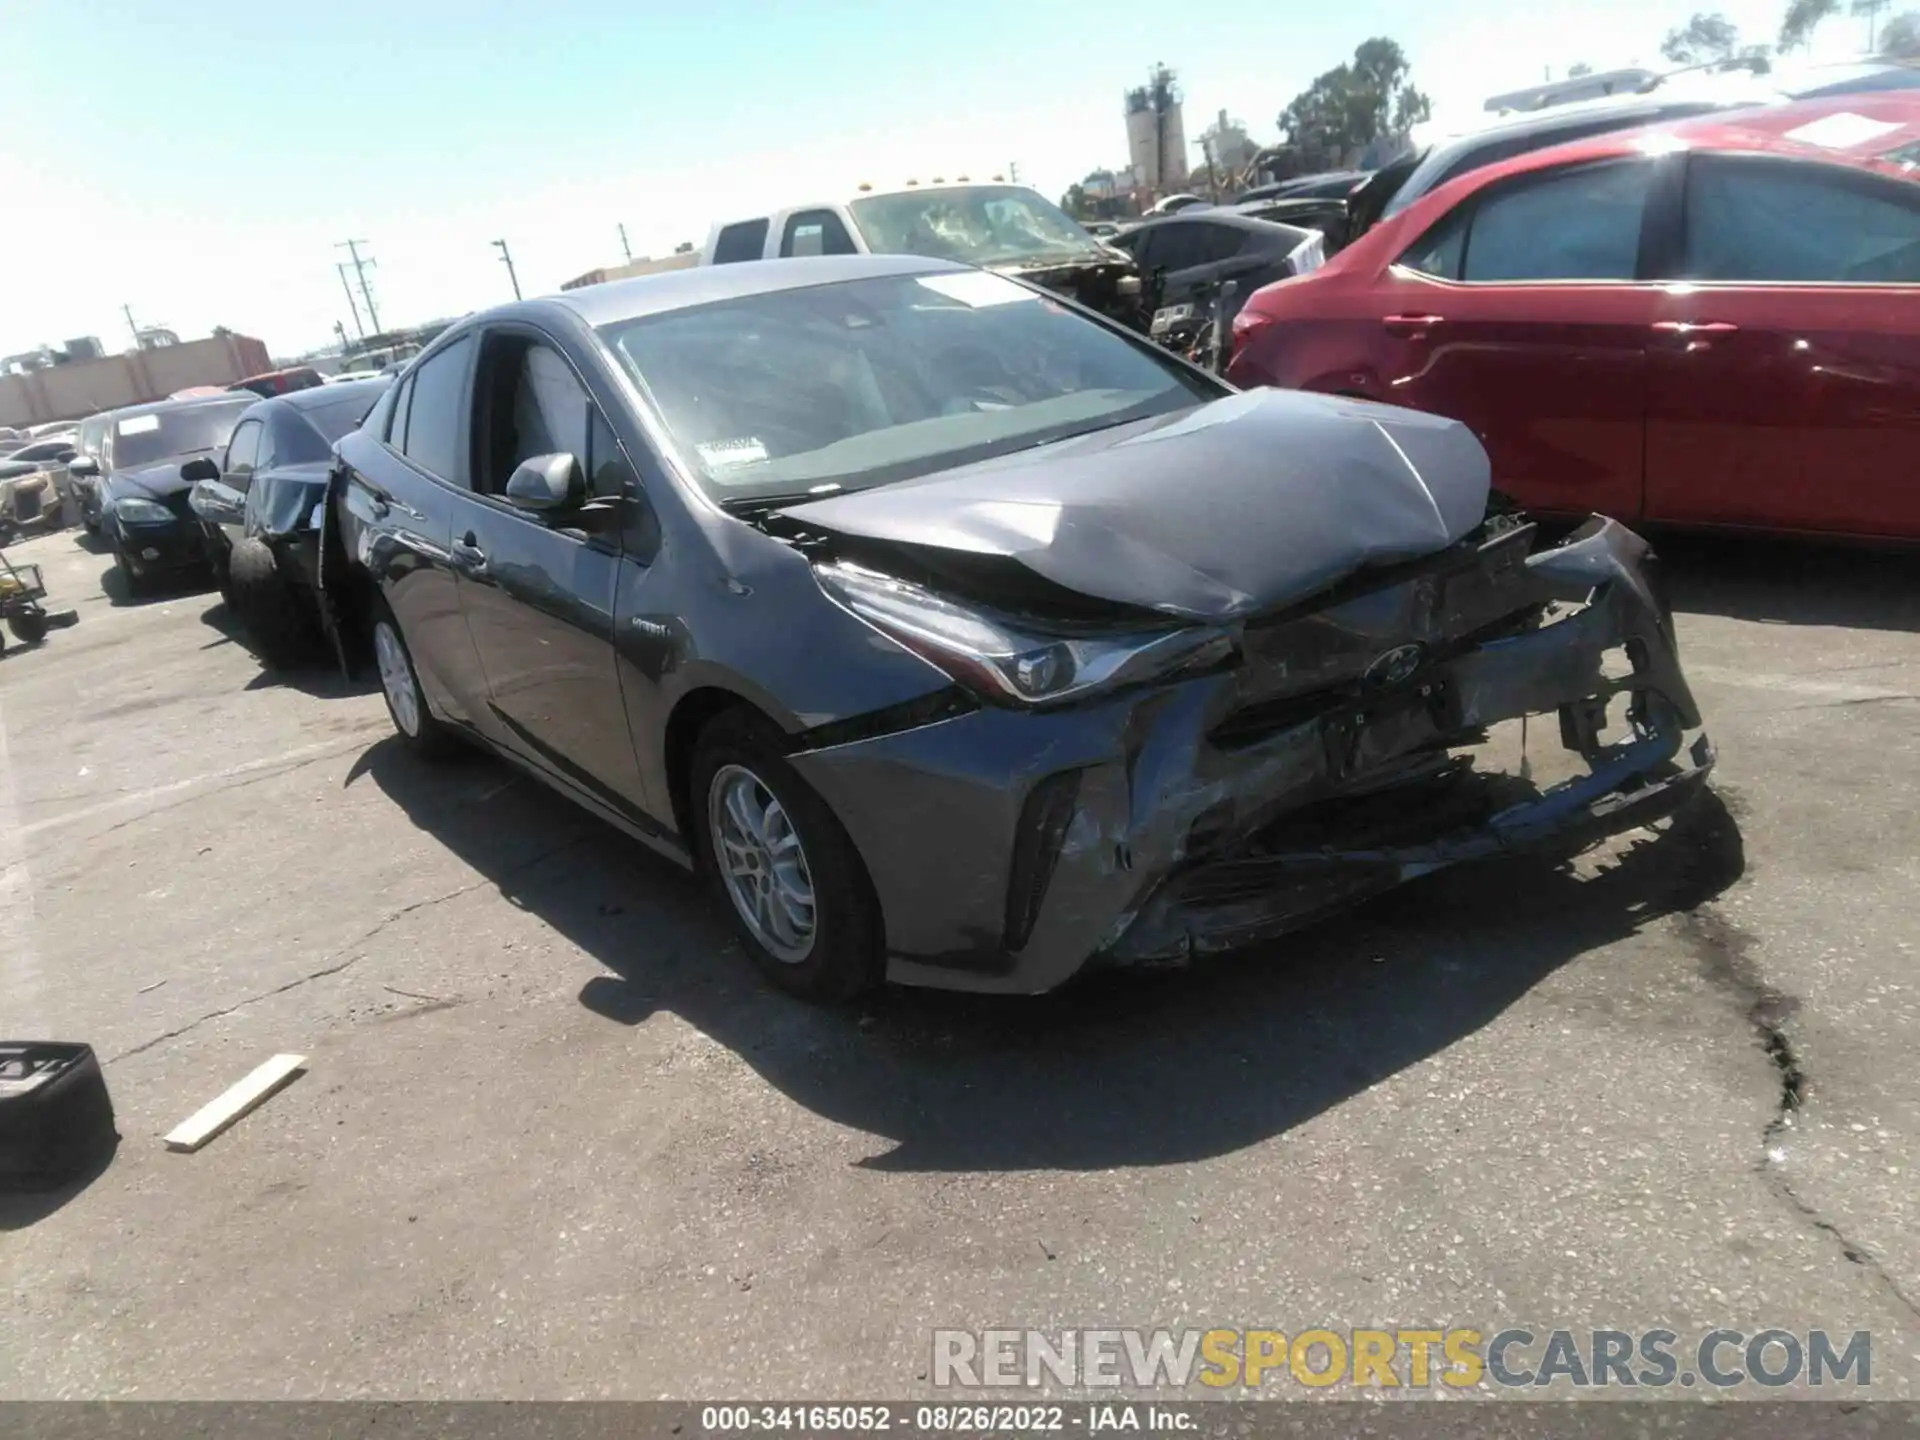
(841, 387)
(980, 224)
(163, 434)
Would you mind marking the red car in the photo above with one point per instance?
(1715, 322)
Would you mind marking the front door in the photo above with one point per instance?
(1522, 315)
(538, 588)
(1784, 387)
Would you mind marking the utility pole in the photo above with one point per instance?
(127, 310)
(360, 264)
(1013, 171)
(341, 331)
(506, 257)
(347, 286)
(625, 249)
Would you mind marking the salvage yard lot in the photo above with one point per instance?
(557, 1139)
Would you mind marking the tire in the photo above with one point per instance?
(278, 617)
(843, 953)
(135, 585)
(29, 626)
(413, 722)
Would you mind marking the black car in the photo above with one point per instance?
(963, 638)
(134, 493)
(1192, 254)
(256, 501)
(1395, 186)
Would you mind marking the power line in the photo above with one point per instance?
(506, 257)
(127, 310)
(360, 264)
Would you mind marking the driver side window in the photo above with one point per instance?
(243, 451)
(532, 404)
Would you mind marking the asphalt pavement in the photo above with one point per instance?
(556, 1139)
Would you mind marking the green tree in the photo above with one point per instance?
(1702, 40)
(1074, 202)
(1574, 72)
(1803, 17)
(1714, 40)
(1901, 38)
(1349, 107)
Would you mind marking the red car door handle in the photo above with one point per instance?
(1695, 327)
(1406, 324)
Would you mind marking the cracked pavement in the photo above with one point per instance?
(555, 1139)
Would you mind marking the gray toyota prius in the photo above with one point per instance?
(963, 638)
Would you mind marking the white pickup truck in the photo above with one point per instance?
(1008, 228)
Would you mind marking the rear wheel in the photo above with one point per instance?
(783, 863)
(276, 613)
(29, 626)
(419, 731)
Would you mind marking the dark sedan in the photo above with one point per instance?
(963, 638)
(134, 489)
(256, 500)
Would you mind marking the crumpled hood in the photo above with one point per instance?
(149, 482)
(1239, 506)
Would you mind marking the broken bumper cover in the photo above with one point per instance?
(1008, 849)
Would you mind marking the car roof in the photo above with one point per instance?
(704, 284)
(194, 402)
(1213, 215)
(317, 397)
(1859, 130)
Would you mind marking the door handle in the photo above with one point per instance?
(469, 557)
(1695, 327)
(1410, 324)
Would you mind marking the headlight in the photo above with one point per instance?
(134, 511)
(1003, 662)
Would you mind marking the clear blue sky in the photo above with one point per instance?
(198, 160)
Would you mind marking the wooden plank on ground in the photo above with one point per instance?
(213, 1117)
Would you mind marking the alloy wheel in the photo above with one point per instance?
(396, 678)
(762, 863)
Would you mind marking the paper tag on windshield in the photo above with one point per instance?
(1841, 132)
(976, 288)
(725, 454)
(139, 424)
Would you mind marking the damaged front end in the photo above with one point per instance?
(1169, 792)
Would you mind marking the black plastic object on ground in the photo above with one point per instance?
(56, 1119)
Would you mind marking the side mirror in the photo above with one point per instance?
(83, 467)
(546, 482)
(201, 467)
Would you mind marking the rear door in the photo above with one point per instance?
(1522, 313)
(1784, 380)
(538, 589)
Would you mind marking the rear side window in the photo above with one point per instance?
(744, 241)
(1571, 224)
(816, 232)
(1759, 220)
(436, 414)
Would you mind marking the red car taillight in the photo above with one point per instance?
(1248, 326)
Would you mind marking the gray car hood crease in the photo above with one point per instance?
(1229, 509)
(154, 481)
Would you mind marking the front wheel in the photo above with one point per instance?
(131, 581)
(419, 731)
(789, 872)
(276, 613)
